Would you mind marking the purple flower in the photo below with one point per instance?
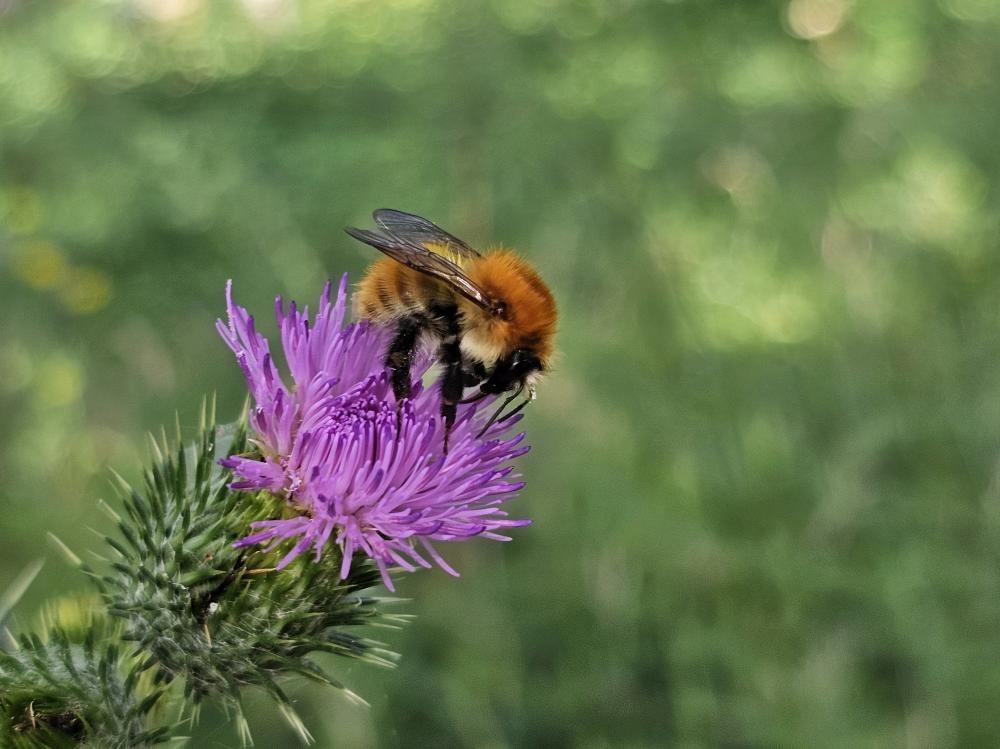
(355, 470)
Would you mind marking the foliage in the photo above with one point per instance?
(57, 692)
(219, 618)
(764, 474)
(193, 608)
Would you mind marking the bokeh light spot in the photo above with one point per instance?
(86, 290)
(739, 170)
(812, 19)
(168, 11)
(59, 381)
(768, 74)
(271, 15)
(40, 265)
(940, 194)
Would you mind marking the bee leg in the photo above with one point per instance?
(453, 377)
(473, 375)
(400, 358)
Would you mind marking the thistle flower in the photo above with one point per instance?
(355, 469)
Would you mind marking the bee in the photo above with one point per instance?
(490, 315)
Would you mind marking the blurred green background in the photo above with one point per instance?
(766, 476)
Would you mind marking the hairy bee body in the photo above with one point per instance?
(491, 316)
(391, 292)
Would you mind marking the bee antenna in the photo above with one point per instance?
(517, 410)
(496, 414)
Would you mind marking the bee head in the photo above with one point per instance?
(512, 370)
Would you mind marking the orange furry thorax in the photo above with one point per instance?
(530, 317)
(391, 290)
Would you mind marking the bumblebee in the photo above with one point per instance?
(491, 316)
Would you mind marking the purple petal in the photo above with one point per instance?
(370, 472)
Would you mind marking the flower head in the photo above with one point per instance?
(355, 469)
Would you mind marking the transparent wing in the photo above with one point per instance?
(423, 260)
(422, 232)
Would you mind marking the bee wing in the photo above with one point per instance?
(423, 260)
(422, 232)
